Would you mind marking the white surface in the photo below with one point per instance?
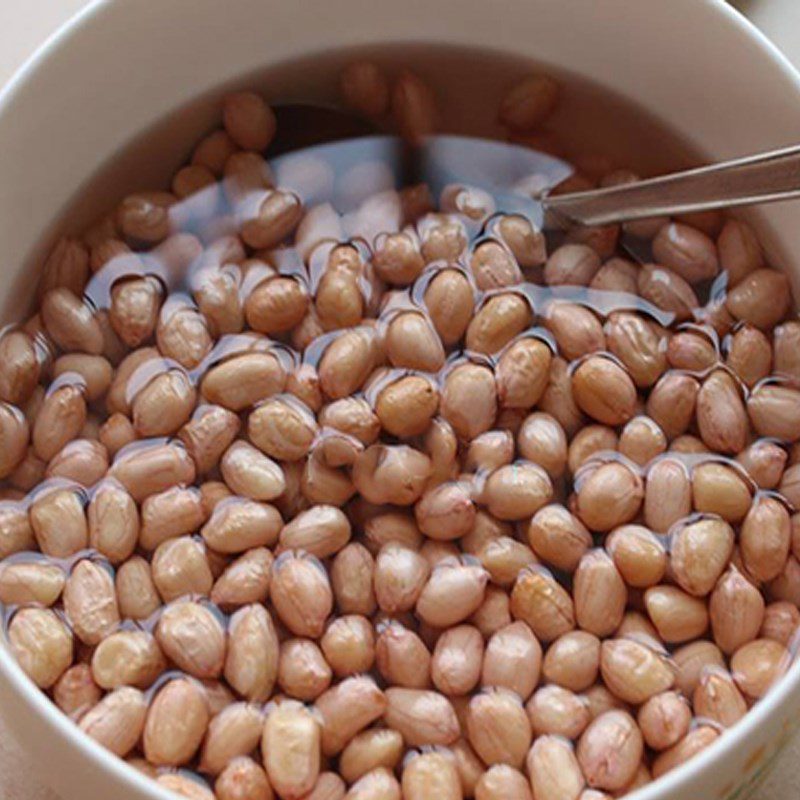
(24, 23)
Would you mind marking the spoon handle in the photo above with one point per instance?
(761, 178)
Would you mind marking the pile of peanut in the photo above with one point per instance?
(452, 512)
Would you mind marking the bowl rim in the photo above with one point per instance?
(117, 768)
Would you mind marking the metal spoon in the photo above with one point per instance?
(519, 178)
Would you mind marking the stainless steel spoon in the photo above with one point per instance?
(519, 178)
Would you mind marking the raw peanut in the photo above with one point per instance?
(127, 658)
(83, 461)
(678, 616)
(29, 472)
(453, 592)
(558, 537)
(67, 265)
(271, 221)
(134, 310)
(431, 774)
(401, 657)
(248, 120)
(378, 784)
(664, 719)
(696, 739)
(638, 555)
(671, 402)
(717, 698)
(14, 438)
(320, 483)
(282, 428)
(721, 415)
(347, 708)
(392, 526)
(75, 692)
(90, 602)
(739, 250)
(528, 103)
(497, 322)
(301, 593)
(164, 405)
(456, 661)
(493, 613)
(554, 771)
(349, 645)
(152, 468)
(187, 181)
(691, 351)
(95, 370)
(604, 391)
(372, 749)
(498, 727)
(639, 345)
(176, 723)
(557, 711)
(636, 625)
(347, 362)
(413, 107)
(26, 583)
(393, 474)
(446, 511)
(790, 484)
(522, 374)
(169, 514)
(541, 439)
(557, 399)
(352, 580)
(249, 472)
(243, 779)
(192, 636)
(755, 666)
(412, 342)
(633, 671)
(117, 721)
(502, 781)
(512, 660)
(364, 88)
(399, 578)
(616, 275)
(692, 660)
(243, 380)
(761, 298)
(449, 301)
(493, 266)
(329, 786)
(468, 766)
(538, 600)
(303, 672)
(503, 558)
(444, 238)
(117, 397)
(686, 250)
(71, 323)
(786, 344)
(41, 643)
(609, 496)
(276, 305)
(780, 623)
(406, 406)
(572, 265)
(667, 290)
(143, 218)
(572, 661)
(180, 567)
(251, 660)
(699, 553)
(217, 296)
(59, 523)
(60, 419)
(610, 750)
(136, 593)
(321, 531)
(238, 524)
(576, 329)
(750, 355)
(398, 261)
(517, 491)
(208, 435)
(421, 717)
(182, 335)
(719, 489)
(774, 410)
(765, 462)
(182, 784)
(19, 373)
(213, 151)
(765, 538)
(599, 593)
(688, 444)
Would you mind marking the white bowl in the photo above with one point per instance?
(121, 66)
